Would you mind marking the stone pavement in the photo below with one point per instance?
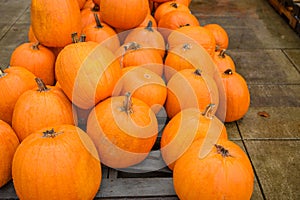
(266, 52)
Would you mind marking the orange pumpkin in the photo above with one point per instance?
(149, 37)
(148, 18)
(143, 84)
(36, 58)
(135, 54)
(225, 173)
(190, 88)
(88, 15)
(124, 130)
(87, 73)
(44, 106)
(102, 33)
(237, 95)
(89, 4)
(8, 145)
(14, 81)
(221, 36)
(223, 61)
(60, 162)
(184, 2)
(192, 34)
(53, 22)
(167, 7)
(124, 14)
(81, 3)
(187, 126)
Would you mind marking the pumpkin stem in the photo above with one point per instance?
(132, 46)
(149, 26)
(184, 25)
(198, 72)
(2, 73)
(50, 133)
(75, 37)
(36, 46)
(221, 150)
(186, 47)
(82, 38)
(228, 72)
(174, 5)
(222, 53)
(127, 104)
(41, 85)
(98, 23)
(208, 112)
(96, 8)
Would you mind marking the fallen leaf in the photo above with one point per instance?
(264, 114)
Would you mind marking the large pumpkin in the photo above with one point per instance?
(36, 58)
(41, 107)
(124, 130)
(124, 14)
(190, 88)
(169, 6)
(53, 21)
(8, 145)
(221, 36)
(87, 73)
(188, 126)
(59, 162)
(237, 95)
(14, 81)
(225, 173)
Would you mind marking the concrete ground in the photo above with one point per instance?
(266, 52)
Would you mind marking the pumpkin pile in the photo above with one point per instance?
(87, 87)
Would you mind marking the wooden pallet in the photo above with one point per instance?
(290, 10)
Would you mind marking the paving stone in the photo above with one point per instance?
(261, 66)
(274, 95)
(232, 131)
(277, 166)
(294, 56)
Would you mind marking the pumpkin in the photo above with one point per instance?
(221, 36)
(187, 126)
(124, 14)
(31, 36)
(89, 4)
(237, 95)
(9, 143)
(135, 54)
(102, 33)
(60, 162)
(225, 173)
(36, 58)
(149, 37)
(44, 106)
(198, 34)
(81, 3)
(87, 72)
(187, 56)
(53, 22)
(223, 61)
(88, 15)
(14, 81)
(184, 2)
(97, 1)
(143, 84)
(190, 88)
(148, 18)
(167, 7)
(124, 129)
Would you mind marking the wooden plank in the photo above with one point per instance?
(136, 187)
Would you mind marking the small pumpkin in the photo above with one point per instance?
(60, 162)
(48, 15)
(225, 173)
(223, 61)
(187, 126)
(143, 84)
(237, 95)
(44, 106)
(221, 36)
(37, 59)
(198, 34)
(149, 37)
(167, 7)
(124, 130)
(124, 14)
(14, 81)
(9, 143)
(190, 88)
(102, 33)
(87, 15)
(148, 18)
